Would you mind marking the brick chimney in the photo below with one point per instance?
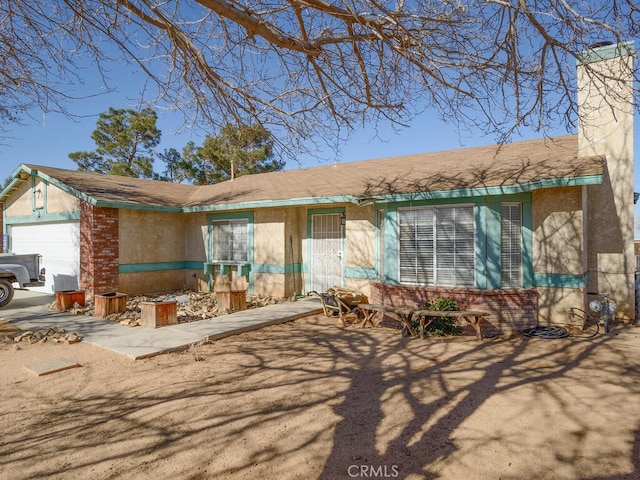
(605, 109)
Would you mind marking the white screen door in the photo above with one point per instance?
(327, 268)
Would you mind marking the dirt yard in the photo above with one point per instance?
(311, 400)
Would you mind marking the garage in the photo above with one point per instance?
(59, 245)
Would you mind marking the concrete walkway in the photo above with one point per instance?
(28, 311)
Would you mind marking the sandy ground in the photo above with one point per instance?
(311, 400)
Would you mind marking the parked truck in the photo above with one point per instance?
(23, 269)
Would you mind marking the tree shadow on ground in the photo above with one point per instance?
(311, 400)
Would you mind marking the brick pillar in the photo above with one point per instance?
(98, 250)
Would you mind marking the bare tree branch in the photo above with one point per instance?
(313, 70)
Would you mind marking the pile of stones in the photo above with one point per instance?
(191, 306)
(51, 335)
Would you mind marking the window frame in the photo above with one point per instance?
(504, 284)
(438, 271)
(244, 221)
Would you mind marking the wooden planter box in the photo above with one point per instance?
(65, 299)
(158, 314)
(234, 300)
(110, 303)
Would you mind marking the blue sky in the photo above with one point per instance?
(47, 139)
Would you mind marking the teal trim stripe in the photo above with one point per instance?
(606, 52)
(491, 244)
(138, 206)
(193, 265)
(391, 244)
(293, 202)
(325, 211)
(458, 194)
(361, 272)
(45, 217)
(527, 244)
(496, 191)
(9, 187)
(276, 268)
(230, 216)
(159, 266)
(559, 280)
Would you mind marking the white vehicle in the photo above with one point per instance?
(22, 269)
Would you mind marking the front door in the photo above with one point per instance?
(327, 242)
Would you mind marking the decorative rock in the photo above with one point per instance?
(191, 306)
(72, 338)
(53, 335)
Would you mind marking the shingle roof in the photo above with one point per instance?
(510, 164)
(527, 162)
(118, 189)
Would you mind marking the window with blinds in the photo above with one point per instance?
(437, 246)
(511, 245)
(229, 240)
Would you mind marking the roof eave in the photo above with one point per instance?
(512, 189)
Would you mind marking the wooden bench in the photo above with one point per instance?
(405, 315)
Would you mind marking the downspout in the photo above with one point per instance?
(585, 244)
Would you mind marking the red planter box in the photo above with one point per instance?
(234, 300)
(110, 303)
(66, 298)
(158, 314)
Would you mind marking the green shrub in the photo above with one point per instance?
(441, 326)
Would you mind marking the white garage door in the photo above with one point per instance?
(59, 245)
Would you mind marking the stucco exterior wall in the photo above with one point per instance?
(269, 284)
(360, 236)
(150, 282)
(557, 231)
(278, 251)
(59, 201)
(20, 203)
(558, 251)
(151, 237)
(270, 249)
(195, 244)
(269, 231)
(195, 236)
(555, 303)
(48, 198)
(154, 242)
(606, 128)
